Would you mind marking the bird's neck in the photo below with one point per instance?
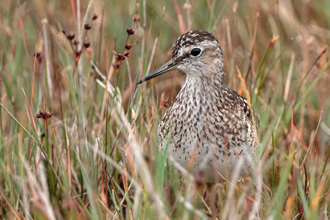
(200, 90)
(204, 84)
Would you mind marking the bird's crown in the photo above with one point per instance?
(190, 40)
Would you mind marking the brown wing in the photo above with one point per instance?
(238, 102)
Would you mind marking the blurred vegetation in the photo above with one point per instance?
(71, 150)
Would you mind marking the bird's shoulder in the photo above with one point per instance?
(238, 102)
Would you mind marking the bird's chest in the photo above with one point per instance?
(183, 123)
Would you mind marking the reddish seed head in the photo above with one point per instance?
(126, 54)
(39, 114)
(70, 36)
(130, 31)
(120, 57)
(87, 26)
(77, 53)
(44, 115)
(87, 44)
(75, 42)
(128, 46)
(95, 16)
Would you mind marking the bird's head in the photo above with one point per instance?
(197, 53)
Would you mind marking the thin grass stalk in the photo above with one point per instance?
(48, 64)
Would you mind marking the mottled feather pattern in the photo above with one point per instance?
(208, 127)
(191, 38)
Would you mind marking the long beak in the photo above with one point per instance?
(163, 69)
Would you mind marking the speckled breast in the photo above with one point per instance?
(207, 133)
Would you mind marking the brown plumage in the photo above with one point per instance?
(207, 127)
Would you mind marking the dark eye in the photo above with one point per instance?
(195, 52)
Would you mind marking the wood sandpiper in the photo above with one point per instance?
(207, 127)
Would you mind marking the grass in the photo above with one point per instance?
(78, 139)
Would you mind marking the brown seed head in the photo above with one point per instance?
(128, 46)
(70, 36)
(95, 16)
(44, 115)
(87, 44)
(120, 57)
(87, 26)
(130, 31)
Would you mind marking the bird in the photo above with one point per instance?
(208, 127)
